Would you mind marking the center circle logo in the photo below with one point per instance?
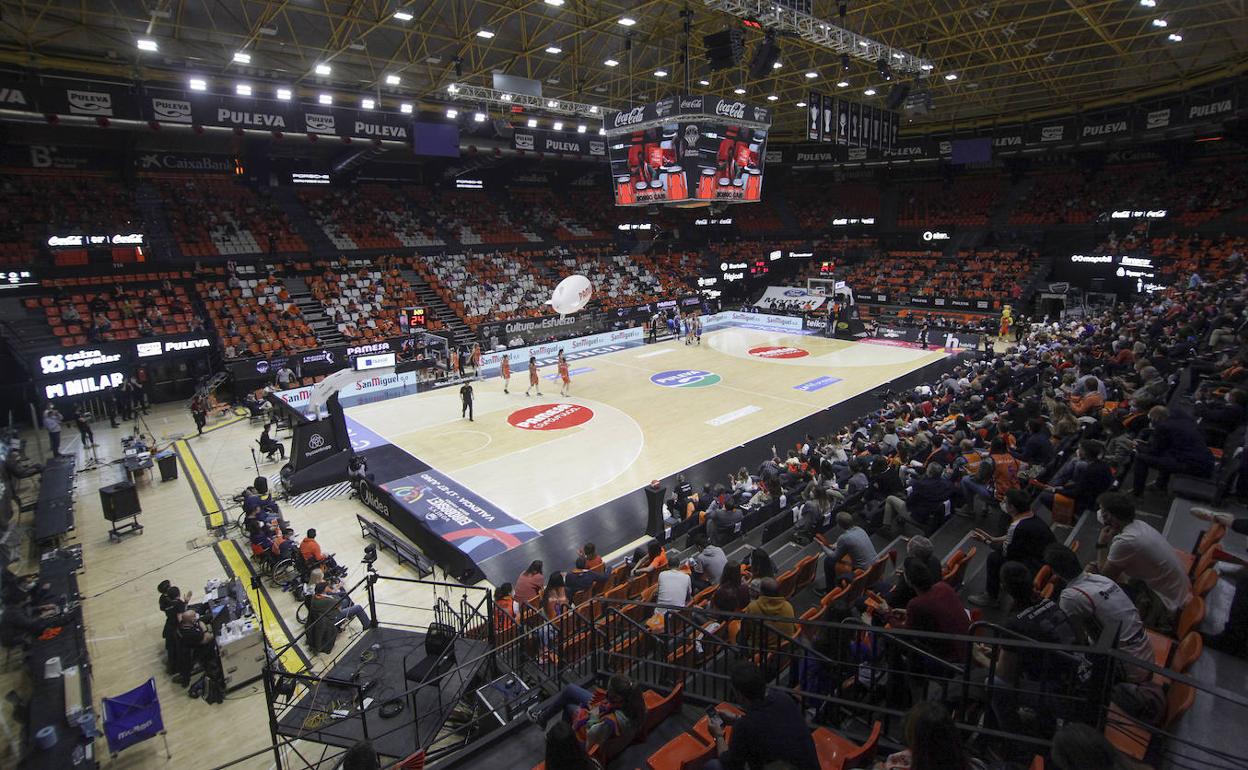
(685, 378)
(550, 416)
(775, 351)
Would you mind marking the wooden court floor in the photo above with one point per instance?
(632, 416)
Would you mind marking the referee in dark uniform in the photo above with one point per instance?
(465, 395)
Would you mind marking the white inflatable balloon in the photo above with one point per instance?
(572, 294)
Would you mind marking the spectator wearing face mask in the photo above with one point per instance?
(1024, 541)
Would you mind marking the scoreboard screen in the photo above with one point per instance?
(412, 319)
(688, 162)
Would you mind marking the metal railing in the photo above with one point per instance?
(847, 671)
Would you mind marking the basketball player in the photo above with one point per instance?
(506, 372)
(533, 383)
(697, 328)
(564, 376)
(476, 359)
(453, 361)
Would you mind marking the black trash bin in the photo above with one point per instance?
(168, 462)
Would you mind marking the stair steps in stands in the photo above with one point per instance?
(161, 245)
(789, 222)
(326, 331)
(1000, 217)
(319, 245)
(890, 199)
(460, 333)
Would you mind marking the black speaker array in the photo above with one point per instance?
(765, 55)
(725, 48)
(897, 96)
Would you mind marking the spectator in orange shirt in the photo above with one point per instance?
(654, 561)
(313, 557)
(593, 562)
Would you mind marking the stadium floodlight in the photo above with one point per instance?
(1149, 3)
(147, 44)
(580, 129)
(627, 21)
(558, 125)
(1160, 23)
(479, 117)
(1175, 37)
(704, 82)
(323, 69)
(393, 80)
(869, 92)
(405, 108)
(485, 34)
(556, 3)
(532, 123)
(772, 97)
(403, 16)
(198, 84)
(660, 73)
(951, 76)
(367, 103)
(243, 89)
(325, 99)
(284, 94)
(776, 65)
(800, 104)
(611, 63)
(452, 113)
(842, 84)
(738, 91)
(554, 50)
(242, 57)
(812, 75)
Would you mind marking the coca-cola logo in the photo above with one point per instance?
(635, 115)
(730, 109)
(691, 104)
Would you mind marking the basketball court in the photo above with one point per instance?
(633, 415)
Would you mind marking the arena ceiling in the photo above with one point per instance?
(1011, 58)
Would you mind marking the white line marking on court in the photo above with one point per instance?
(735, 414)
(656, 353)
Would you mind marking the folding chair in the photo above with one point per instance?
(133, 717)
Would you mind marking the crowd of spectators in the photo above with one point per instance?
(39, 204)
(1072, 420)
(967, 201)
(212, 216)
(253, 313)
(369, 215)
(485, 286)
(363, 297)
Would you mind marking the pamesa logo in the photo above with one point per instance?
(685, 378)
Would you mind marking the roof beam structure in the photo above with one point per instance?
(821, 32)
(504, 100)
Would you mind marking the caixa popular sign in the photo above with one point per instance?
(56, 363)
